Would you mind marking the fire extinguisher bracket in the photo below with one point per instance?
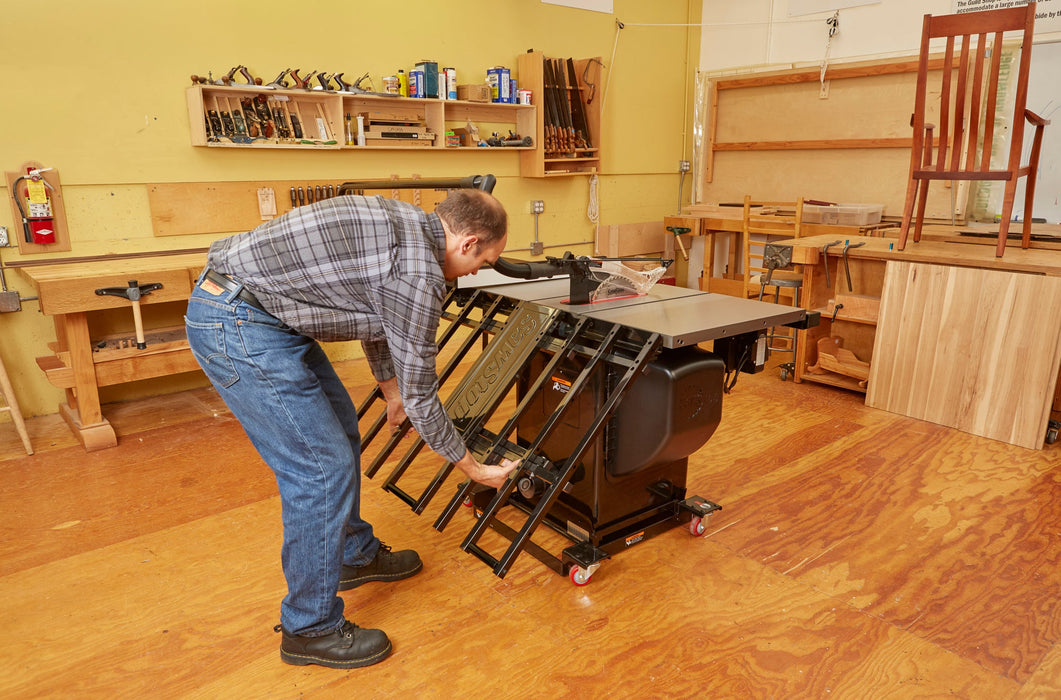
(36, 202)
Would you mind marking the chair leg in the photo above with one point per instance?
(1007, 213)
(922, 201)
(908, 211)
(1029, 186)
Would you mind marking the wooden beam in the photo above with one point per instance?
(813, 144)
(836, 72)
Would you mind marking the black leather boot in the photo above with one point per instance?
(387, 566)
(347, 647)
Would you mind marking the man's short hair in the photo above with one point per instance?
(468, 211)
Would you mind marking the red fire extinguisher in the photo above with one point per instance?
(35, 205)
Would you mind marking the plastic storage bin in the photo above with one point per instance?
(844, 214)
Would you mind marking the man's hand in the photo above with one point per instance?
(395, 409)
(493, 475)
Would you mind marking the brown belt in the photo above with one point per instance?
(231, 285)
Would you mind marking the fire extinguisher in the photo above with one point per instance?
(35, 205)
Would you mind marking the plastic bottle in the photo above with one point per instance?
(403, 83)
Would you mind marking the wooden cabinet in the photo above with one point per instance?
(846, 290)
(586, 88)
(321, 117)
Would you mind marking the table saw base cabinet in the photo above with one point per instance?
(628, 481)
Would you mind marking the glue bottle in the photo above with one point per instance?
(403, 83)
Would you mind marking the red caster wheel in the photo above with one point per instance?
(579, 576)
(696, 526)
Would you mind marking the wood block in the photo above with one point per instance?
(622, 240)
(972, 349)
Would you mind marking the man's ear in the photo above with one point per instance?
(468, 241)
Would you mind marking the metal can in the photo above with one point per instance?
(524, 96)
(391, 86)
(451, 83)
(416, 83)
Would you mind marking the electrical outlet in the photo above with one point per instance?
(683, 166)
(537, 248)
(823, 92)
(537, 206)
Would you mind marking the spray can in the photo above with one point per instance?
(451, 83)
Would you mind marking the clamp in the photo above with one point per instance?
(825, 254)
(133, 292)
(847, 269)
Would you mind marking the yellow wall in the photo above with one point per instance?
(104, 103)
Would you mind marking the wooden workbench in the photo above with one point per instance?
(723, 229)
(84, 359)
(943, 331)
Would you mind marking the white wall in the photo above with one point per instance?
(759, 33)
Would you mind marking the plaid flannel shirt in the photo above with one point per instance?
(357, 268)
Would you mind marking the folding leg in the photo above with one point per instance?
(556, 478)
(481, 390)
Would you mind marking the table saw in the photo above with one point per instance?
(612, 396)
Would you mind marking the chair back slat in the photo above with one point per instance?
(975, 101)
(992, 103)
(944, 106)
(959, 106)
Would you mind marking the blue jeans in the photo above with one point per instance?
(284, 391)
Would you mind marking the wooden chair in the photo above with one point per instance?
(960, 149)
(8, 404)
(762, 223)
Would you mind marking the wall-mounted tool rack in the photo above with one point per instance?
(321, 116)
(565, 90)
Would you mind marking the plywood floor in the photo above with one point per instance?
(859, 555)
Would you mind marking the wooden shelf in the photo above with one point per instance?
(837, 380)
(322, 114)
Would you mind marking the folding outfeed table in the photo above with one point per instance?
(612, 397)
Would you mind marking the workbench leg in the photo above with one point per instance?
(83, 414)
